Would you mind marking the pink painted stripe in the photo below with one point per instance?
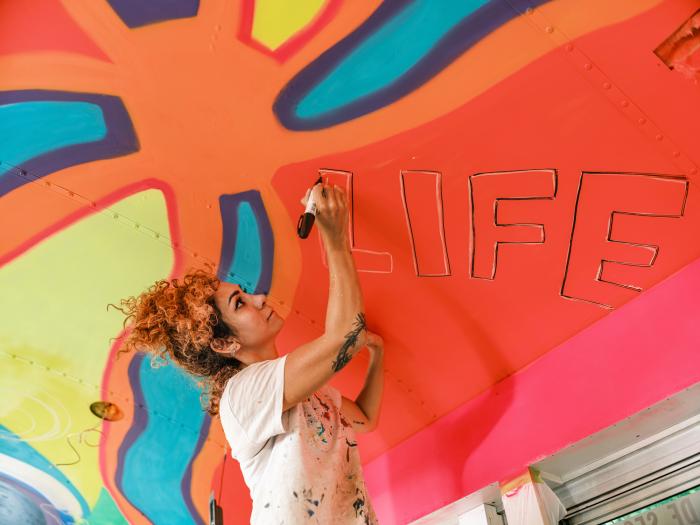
(634, 357)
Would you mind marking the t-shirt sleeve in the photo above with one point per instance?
(255, 399)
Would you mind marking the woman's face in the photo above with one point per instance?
(253, 321)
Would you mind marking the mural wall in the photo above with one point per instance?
(522, 173)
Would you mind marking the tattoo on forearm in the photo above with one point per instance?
(350, 341)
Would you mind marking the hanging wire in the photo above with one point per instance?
(82, 440)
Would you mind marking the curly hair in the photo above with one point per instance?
(179, 319)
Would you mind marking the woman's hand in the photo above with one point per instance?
(331, 214)
(374, 343)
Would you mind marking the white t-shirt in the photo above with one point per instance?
(301, 466)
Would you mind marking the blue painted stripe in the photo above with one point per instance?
(156, 462)
(387, 54)
(137, 13)
(395, 51)
(45, 131)
(247, 259)
(247, 248)
(30, 129)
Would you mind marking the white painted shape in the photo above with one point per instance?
(48, 486)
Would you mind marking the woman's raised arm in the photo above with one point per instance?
(311, 365)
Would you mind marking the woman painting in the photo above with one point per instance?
(292, 433)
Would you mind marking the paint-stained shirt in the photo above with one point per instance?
(301, 465)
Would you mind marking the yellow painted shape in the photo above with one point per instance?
(275, 21)
(53, 311)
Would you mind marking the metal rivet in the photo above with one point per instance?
(642, 120)
(587, 66)
(624, 103)
(528, 11)
(569, 47)
(659, 137)
(549, 29)
(676, 153)
(606, 85)
(157, 235)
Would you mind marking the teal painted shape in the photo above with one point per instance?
(106, 512)
(247, 258)
(387, 54)
(30, 129)
(12, 445)
(155, 464)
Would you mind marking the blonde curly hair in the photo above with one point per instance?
(179, 319)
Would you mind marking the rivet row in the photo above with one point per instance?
(163, 239)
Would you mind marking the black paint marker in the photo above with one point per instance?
(306, 220)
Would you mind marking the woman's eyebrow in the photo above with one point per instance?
(231, 296)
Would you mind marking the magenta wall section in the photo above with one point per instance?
(578, 388)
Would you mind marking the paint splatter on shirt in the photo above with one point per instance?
(302, 465)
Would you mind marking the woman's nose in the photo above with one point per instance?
(259, 299)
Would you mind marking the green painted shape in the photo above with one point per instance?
(106, 512)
